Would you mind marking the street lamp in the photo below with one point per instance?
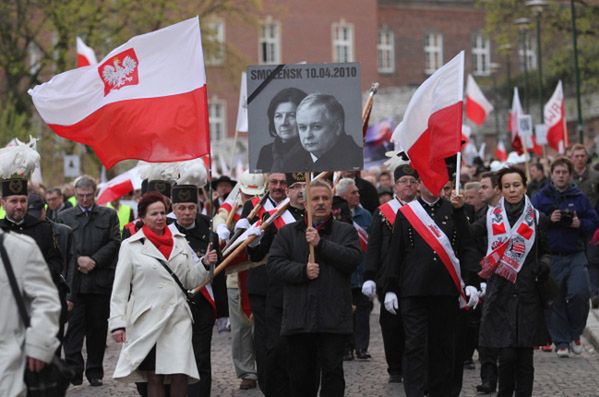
(523, 24)
(580, 124)
(537, 7)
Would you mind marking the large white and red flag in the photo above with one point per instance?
(120, 185)
(145, 100)
(555, 120)
(477, 106)
(431, 129)
(85, 54)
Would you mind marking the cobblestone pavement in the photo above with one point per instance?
(574, 376)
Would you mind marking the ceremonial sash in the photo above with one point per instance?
(362, 236)
(389, 210)
(508, 245)
(285, 218)
(426, 227)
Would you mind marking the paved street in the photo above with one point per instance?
(575, 376)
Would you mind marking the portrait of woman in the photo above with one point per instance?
(149, 313)
(283, 128)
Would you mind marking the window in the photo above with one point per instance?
(433, 52)
(386, 51)
(530, 55)
(215, 36)
(343, 42)
(270, 42)
(481, 56)
(217, 112)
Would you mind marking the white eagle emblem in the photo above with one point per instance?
(118, 75)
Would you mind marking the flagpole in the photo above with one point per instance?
(308, 207)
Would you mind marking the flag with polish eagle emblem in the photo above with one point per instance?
(477, 106)
(85, 55)
(431, 129)
(146, 100)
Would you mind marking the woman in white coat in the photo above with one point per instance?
(148, 310)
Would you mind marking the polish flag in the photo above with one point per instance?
(146, 100)
(555, 120)
(500, 152)
(85, 55)
(431, 129)
(119, 186)
(513, 122)
(477, 106)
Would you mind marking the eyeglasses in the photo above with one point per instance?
(408, 181)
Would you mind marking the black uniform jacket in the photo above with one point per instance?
(325, 303)
(414, 269)
(379, 240)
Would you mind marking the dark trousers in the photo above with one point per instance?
(393, 339)
(88, 320)
(460, 343)
(258, 305)
(363, 307)
(488, 365)
(316, 351)
(516, 372)
(277, 355)
(429, 326)
(203, 317)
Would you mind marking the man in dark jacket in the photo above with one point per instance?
(572, 220)
(419, 282)
(196, 228)
(317, 312)
(96, 242)
(321, 125)
(379, 239)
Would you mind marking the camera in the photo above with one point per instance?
(567, 216)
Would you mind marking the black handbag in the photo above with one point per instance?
(53, 380)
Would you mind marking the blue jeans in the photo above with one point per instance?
(570, 309)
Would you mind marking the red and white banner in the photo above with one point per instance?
(500, 151)
(431, 129)
(119, 186)
(477, 106)
(555, 120)
(85, 54)
(146, 100)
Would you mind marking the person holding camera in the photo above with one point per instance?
(572, 220)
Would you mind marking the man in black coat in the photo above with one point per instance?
(96, 242)
(379, 240)
(418, 283)
(317, 298)
(196, 228)
(321, 126)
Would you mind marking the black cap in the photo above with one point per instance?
(14, 187)
(144, 186)
(403, 170)
(295, 177)
(222, 179)
(185, 194)
(162, 187)
(35, 204)
(384, 190)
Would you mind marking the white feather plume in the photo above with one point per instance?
(163, 172)
(192, 172)
(19, 160)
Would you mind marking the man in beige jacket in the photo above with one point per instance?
(33, 346)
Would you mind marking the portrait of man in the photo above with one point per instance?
(320, 122)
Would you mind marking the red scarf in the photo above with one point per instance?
(164, 243)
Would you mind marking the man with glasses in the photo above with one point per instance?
(96, 242)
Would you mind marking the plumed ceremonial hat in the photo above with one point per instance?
(17, 163)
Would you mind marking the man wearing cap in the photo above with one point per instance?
(96, 242)
(406, 190)
(196, 228)
(222, 186)
(20, 210)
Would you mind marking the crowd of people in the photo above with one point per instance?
(506, 264)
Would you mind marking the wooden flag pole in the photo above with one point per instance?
(457, 172)
(308, 207)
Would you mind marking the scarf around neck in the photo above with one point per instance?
(164, 243)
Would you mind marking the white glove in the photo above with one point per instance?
(223, 232)
(472, 293)
(243, 223)
(369, 289)
(391, 304)
(483, 290)
(255, 231)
